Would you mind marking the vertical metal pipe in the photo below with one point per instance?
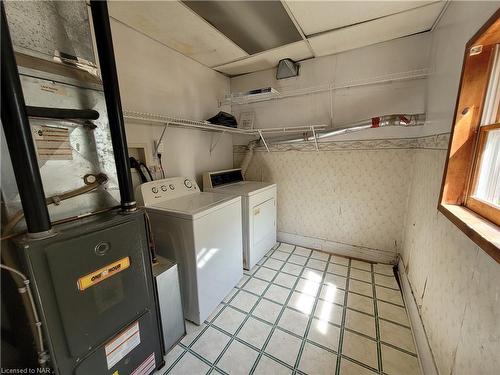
(19, 140)
(107, 64)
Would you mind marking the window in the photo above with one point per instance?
(470, 194)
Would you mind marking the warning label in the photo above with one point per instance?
(119, 347)
(101, 274)
(146, 367)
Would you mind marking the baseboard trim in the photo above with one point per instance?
(364, 253)
(426, 358)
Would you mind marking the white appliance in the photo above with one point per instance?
(202, 232)
(258, 200)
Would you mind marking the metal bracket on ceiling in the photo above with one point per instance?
(315, 139)
(263, 140)
(214, 142)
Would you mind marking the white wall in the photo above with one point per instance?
(456, 284)
(357, 103)
(153, 78)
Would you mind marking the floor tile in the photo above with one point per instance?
(210, 344)
(283, 346)
(384, 269)
(267, 366)
(285, 280)
(387, 281)
(337, 269)
(254, 332)
(256, 286)
(391, 312)
(230, 295)
(360, 322)
(267, 311)
(396, 335)
(292, 268)
(395, 362)
(229, 320)
(244, 301)
(339, 260)
(324, 333)
(275, 264)
(331, 293)
(302, 302)
(338, 281)
(215, 312)
(189, 365)
(238, 359)
(302, 251)
(361, 265)
(361, 303)
(308, 287)
(265, 273)
(315, 360)
(277, 293)
(327, 311)
(280, 255)
(389, 295)
(350, 368)
(285, 247)
(294, 321)
(253, 270)
(242, 281)
(361, 275)
(192, 331)
(172, 355)
(312, 274)
(297, 259)
(320, 255)
(319, 265)
(360, 348)
(361, 287)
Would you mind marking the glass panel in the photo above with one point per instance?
(492, 100)
(488, 182)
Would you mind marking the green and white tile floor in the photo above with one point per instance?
(302, 311)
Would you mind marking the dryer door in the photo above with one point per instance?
(263, 228)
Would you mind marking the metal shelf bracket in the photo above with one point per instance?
(263, 140)
(215, 140)
(315, 139)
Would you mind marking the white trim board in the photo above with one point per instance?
(425, 356)
(338, 248)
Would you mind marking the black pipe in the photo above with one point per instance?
(102, 31)
(62, 113)
(19, 140)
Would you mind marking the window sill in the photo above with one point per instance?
(483, 232)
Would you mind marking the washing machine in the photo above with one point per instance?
(258, 201)
(202, 232)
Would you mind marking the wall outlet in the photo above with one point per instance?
(159, 147)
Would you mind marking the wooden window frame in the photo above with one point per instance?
(479, 220)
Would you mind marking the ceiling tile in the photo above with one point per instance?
(178, 27)
(376, 31)
(267, 59)
(318, 16)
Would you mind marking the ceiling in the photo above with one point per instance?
(238, 37)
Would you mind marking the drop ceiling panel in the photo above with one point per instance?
(376, 31)
(266, 60)
(255, 26)
(178, 27)
(318, 16)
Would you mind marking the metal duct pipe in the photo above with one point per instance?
(102, 30)
(19, 140)
(374, 122)
(248, 156)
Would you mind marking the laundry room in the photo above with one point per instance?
(250, 187)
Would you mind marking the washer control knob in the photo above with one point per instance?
(163, 188)
(154, 189)
(171, 186)
(188, 183)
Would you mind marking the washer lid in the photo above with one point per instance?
(245, 188)
(193, 206)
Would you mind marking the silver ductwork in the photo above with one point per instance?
(375, 122)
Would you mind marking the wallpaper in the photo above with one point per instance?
(351, 192)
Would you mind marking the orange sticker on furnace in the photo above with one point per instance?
(103, 273)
